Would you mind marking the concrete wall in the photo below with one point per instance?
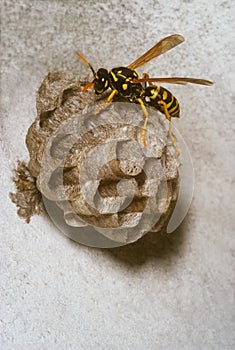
(173, 292)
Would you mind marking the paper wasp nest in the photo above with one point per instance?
(93, 165)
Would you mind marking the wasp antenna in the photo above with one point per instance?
(86, 62)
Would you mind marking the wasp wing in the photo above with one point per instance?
(160, 48)
(174, 80)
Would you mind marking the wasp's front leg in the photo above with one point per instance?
(108, 100)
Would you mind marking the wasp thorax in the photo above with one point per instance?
(101, 82)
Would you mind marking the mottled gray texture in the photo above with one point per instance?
(172, 292)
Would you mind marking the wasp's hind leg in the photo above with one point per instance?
(168, 117)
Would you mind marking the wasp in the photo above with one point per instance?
(124, 81)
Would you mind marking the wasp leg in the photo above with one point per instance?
(87, 86)
(109, 99)
(168, 117)
(143, 139)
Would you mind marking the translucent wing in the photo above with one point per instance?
(161, 47)
(174, 80)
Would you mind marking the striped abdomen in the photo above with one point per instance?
(158, 97)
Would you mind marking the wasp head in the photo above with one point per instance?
(101, 81)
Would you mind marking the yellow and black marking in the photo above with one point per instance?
(121, 79)
(158, 97)
(162, 100)
(125, 82)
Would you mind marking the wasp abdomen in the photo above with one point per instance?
(161, 98)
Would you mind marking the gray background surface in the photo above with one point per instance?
(173, 292)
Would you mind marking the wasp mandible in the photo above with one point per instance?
(125, 81)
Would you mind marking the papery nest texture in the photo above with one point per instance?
(93, 165)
